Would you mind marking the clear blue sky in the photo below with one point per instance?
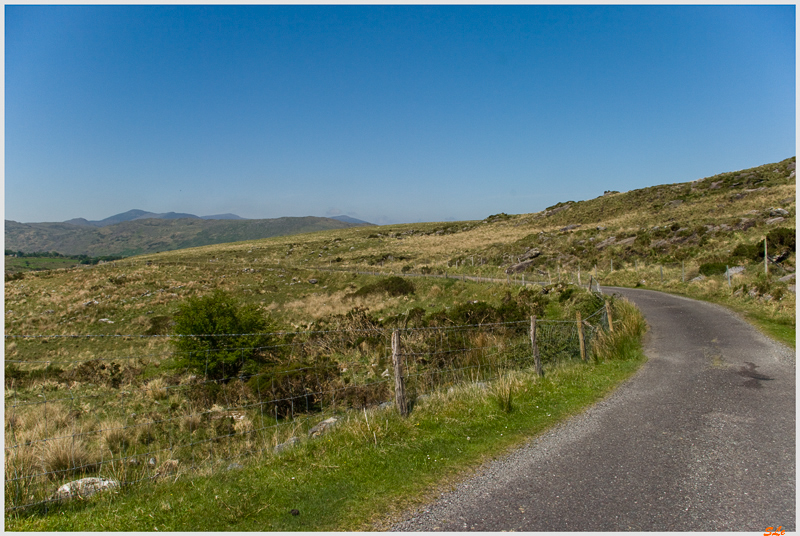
(386, 113)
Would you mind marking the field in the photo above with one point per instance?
(96, 384)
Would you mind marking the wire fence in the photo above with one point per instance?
(130, 418)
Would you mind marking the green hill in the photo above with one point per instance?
(153, 235)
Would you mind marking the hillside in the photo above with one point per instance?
(655, 237)
(93, 368)
(151, 235)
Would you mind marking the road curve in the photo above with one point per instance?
(702, 438)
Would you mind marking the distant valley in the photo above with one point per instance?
(137, 231)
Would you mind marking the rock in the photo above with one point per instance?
(607, 242)
(234, 466)
(736, 270)
(773, 221)
(792, 288)
(520, 267)
(313, 281)
(570, 227)
(286, 445)
(530, 254)
(699, 278)
(556, 210)
(787, 278)
(322, 427)
(84, 487)
(151, 462)
(600, 228)
(675, 203)
(627, 241)
(778, 212)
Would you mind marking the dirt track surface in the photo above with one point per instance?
(702, 438)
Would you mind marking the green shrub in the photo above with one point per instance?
(713, 268)
(781, 238)
(393, 286)
(216, 336)
(750, 252)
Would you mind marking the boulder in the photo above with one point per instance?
(84, 487)
(607, 242)
(286, 445)
(778, 212)
(773, 221)
(627, 241)
(520, 267)
(322, 427)
(530, 254)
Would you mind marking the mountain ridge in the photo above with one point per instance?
(150, 235)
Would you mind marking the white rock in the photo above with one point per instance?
(84, 487)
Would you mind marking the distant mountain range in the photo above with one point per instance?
(138, 231)
(136, 214)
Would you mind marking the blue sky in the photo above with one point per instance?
(385, 113)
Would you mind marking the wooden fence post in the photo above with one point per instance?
(580, 335)
(537, 360)
(399, 384)
(610, 319)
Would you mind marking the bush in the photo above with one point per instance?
(393, 286)
(781, 238)
(217, 337)
(713, 268)
(749, 252)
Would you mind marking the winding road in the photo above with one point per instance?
(702, 438)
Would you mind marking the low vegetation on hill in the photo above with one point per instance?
(153, 235)
(113, 332)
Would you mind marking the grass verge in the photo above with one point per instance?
(369, 469)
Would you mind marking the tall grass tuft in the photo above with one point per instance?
(66, 456)
(502, 393)
(624, 341)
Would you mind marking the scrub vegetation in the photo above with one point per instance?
(109, 332)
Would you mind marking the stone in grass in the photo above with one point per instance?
(322, 427)
(84, 487)
(287, 445)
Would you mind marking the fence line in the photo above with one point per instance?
(203, 422)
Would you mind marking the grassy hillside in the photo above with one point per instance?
(152, 235)
(310, 286)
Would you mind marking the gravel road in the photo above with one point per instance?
(702, 438)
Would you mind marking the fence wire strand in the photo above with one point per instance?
(152, 425)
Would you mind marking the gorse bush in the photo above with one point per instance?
(218, 338)
(393, 286)
(713, 268)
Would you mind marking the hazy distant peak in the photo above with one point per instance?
(348, 219)
(227, 216)
(167, 216)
